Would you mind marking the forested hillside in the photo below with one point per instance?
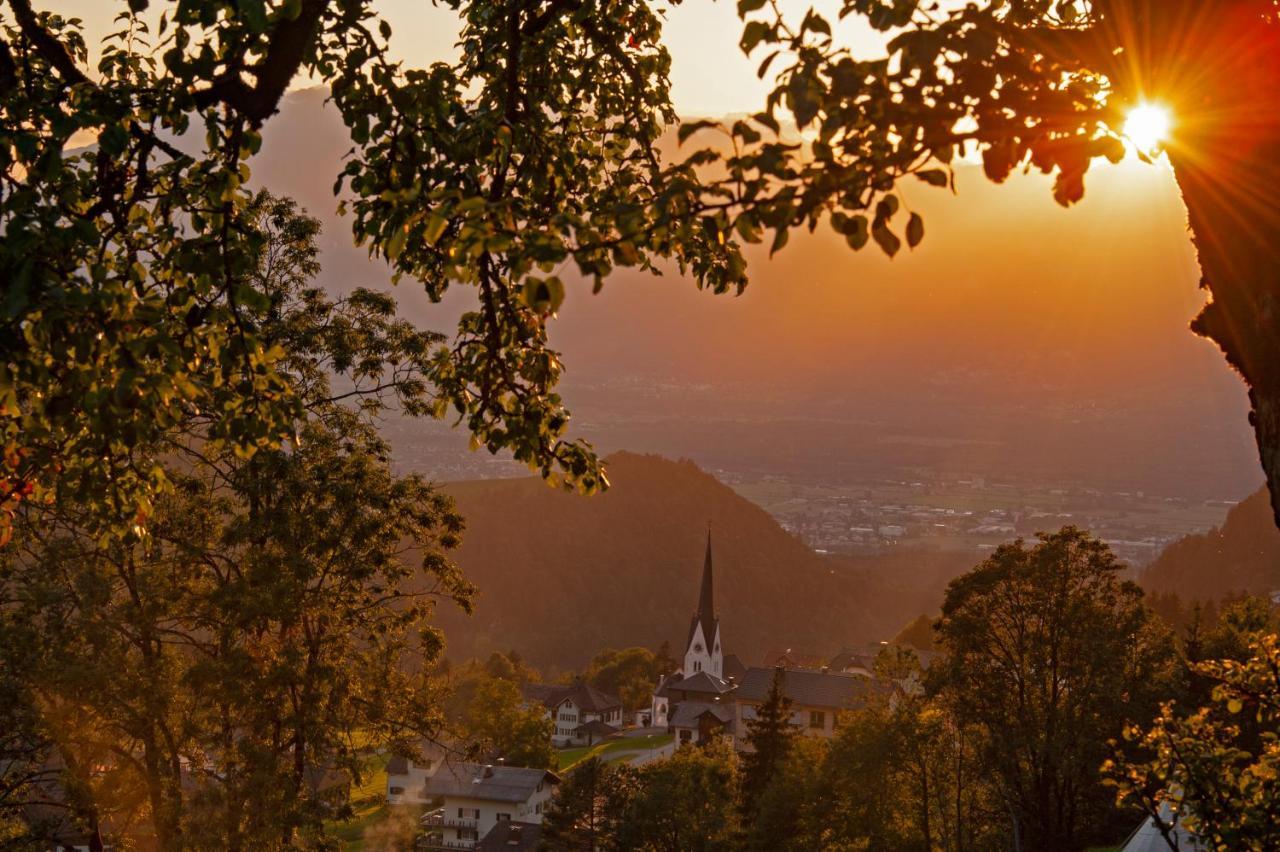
(1241, 556)
(561, 576)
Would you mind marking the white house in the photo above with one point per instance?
(477, 797)
(583, 714)
(406, 778)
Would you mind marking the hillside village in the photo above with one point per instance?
(711, 696)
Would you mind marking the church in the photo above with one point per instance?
(714, 694)
(694, 702)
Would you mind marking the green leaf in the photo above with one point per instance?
(934, 177)
(691, 127)
(752, 34)
(915, 230)
(886, 239)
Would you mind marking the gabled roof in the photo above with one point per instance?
(812, 689)
(583, 694)
(488, 783)
(706, 611)
(703, 682)
(687, 713)
(596, 728)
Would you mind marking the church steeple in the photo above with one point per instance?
(706, 598)
(702, 652)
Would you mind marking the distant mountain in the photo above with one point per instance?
(562, 576)
(1241, 556)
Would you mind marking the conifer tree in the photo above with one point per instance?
(769, 736)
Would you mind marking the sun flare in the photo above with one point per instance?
(1147, 126)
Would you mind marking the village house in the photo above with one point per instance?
(817, 698)
(406, 778)
(477, 797)
(583, 715)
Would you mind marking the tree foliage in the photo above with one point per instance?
(1214, 770)
(502, 722)
(769, 737)
(1050, 654)
(220, 679)
(127, 304)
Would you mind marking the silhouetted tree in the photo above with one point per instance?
(1050, 654)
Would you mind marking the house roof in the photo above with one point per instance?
(511, 836)
(583, 694)
(595, 726)
(706, 611)
(853, 657)
(488, 783)
(734, 668)
(703, 682)
(810, 688)
(687, 713)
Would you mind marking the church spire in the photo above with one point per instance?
(702, 652)
(706, 598)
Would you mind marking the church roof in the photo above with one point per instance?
(706, 612)
(734, 668)
(687, 713)
(703, 682)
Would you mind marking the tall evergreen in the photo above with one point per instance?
(769, 736)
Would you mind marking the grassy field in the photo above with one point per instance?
(611, 749)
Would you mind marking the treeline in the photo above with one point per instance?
(1039, 728)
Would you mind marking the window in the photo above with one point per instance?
(502, 817)
(817, 719)
(697, 666)
(697, 646)
(468, 834)
(686, 736)
(396, 791)
(468, 813)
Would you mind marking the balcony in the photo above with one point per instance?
(436, 842)
(438, 819)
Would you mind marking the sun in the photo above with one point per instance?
(1147, 126)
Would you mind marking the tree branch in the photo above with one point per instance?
(285, 50)
(53, 51)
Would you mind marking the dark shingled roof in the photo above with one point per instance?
(810, 688)
(510, 836)
(687, 713)
(584, 695)
(704, 682)
(488, 783)
(596, 727)
(734, 668)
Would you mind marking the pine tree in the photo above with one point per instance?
(769, 736)
(577, 820)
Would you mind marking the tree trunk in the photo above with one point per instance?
(1221, 71)
(1233, 202)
